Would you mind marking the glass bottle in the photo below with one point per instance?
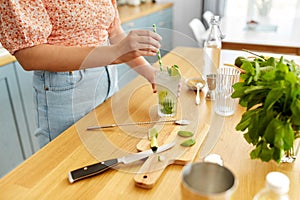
(277, 187)
(212, 48)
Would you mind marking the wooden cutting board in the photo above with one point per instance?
(154, 166)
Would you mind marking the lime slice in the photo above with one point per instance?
(185, 133)
(162, 95)
(188, 143)
(174, 71)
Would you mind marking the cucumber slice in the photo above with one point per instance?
(185, 133)
(153, 134)
(188, 142)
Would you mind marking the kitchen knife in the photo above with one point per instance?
(100, 167)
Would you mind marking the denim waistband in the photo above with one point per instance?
(57, 81)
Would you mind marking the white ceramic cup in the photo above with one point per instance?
(224, 104)
(207, 180)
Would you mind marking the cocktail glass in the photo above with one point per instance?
(167, 89)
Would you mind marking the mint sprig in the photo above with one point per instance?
(271, 93)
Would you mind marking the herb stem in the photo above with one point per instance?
(253, 53)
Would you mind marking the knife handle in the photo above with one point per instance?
(91, 170)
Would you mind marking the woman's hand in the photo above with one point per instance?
(137, 43)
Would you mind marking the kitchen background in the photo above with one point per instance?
(17, 142)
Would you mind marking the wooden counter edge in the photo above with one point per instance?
(264, 48)
(6, 59)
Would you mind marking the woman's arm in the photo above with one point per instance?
(62, 58)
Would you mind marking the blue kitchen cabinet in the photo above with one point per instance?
(164, 23)
(26, 91)
(15, 140)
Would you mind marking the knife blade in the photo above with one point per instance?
(102, 166)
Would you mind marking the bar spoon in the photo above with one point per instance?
(181, 122)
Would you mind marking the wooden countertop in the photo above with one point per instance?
(126, 12)
(44, 175)
(5, 57)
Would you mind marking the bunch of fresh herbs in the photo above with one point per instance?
(270, 91)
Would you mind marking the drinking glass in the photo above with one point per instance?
(224, 104)
(167, 89)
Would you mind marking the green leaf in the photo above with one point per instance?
(243, 102)
(277, 154)
(273, 96)
(281, 66)
(255, 88)
(254, 99)
(251, 120)
(272, 129)
(271, 62)
(244, 76)
(249, 80)
(265, 119)
(266, 153)
(280, 134)
(295, 108)
(262, 151)
(238, 90)
(255, 153)
(257, 71)
(288, 136)
(291, 78)
(247, 66)
(243, 124)
(238, 85)
(247, 138)
(267, 73)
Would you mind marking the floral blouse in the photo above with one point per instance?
(61, 22)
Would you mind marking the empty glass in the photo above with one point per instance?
(224, 104)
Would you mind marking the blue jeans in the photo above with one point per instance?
(62, 98)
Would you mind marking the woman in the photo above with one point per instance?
(72, 45)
